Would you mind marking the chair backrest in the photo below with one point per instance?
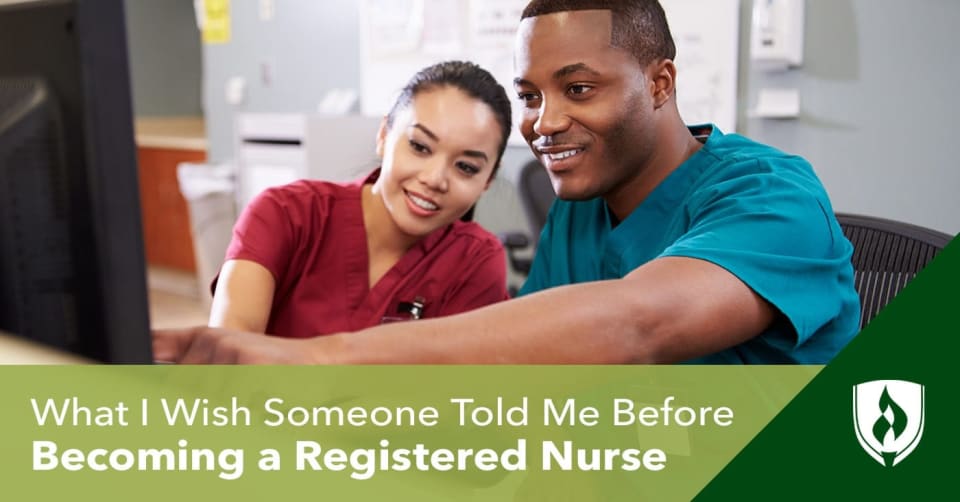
(536, 195)
(887, 254)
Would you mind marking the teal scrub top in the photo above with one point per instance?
(759, 213)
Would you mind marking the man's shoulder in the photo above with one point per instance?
(736, 150)
(740, 160)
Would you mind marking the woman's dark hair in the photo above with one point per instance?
(469, 78)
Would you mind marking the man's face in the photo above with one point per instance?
(587, 106)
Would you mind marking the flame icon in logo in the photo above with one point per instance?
(888, 429)
(885, 424)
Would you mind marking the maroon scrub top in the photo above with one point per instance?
(310, 235)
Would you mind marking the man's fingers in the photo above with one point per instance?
(205, 345)
(171, 345)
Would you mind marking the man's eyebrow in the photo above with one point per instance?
(562, 73)
(574, 68)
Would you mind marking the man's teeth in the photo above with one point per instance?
(423, 204)
(563, 155)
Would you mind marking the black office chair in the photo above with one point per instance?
(887, 254)
(536, 195)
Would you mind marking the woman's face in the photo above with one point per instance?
(438, 157)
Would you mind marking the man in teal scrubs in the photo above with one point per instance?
(669, 244)
(756, 212)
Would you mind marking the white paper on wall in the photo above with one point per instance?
(407, 35)
(707, 35)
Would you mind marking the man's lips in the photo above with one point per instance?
(559, 158)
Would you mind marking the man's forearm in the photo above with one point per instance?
(670, 310)
(579, 324)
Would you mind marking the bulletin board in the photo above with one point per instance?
(399, 37)
(707, 36)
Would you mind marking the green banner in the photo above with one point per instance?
(383, 433)
(875, 424)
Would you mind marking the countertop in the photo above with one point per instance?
(178, 133)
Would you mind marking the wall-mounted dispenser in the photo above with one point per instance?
(776, 34)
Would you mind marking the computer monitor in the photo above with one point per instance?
(72, 271)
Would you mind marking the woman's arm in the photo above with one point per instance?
(244, 297)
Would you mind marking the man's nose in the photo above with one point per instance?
(552, 119)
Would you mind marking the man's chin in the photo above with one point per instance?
(575, 194)
(573, 186)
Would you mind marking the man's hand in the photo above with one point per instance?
(204, 345)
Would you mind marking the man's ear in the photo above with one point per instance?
(663, 79)
(381, 136)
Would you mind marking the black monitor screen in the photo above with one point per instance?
(72, 272)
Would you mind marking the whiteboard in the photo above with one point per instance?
(707, 36)
(400, 37)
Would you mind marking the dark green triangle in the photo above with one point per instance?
(810, 451)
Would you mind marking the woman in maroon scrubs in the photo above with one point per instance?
(314, 257)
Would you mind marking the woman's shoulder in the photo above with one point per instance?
(473, 233)
(305, 189)
(311, 193)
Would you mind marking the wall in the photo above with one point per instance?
(165, 57)
(288, 62)
(878, 107)
(877, 95)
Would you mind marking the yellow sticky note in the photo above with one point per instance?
(216, 25)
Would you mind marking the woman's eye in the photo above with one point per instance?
(419, 147)
(467, 168)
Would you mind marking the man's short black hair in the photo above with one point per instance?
(639, 26)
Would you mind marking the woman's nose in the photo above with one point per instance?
(434, 176)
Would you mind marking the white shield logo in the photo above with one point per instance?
(888, 418)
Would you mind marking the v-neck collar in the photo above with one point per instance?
(665, 196)
(648, 220)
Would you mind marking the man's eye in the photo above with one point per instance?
(579, 89)
(527, 96)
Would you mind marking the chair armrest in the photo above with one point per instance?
(514, 240)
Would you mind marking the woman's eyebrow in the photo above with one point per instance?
(476, 153)
(426, 131)
(469, 153)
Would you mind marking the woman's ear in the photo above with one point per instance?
(382, 136)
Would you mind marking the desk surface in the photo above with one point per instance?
(177, 133)
(15, 350)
